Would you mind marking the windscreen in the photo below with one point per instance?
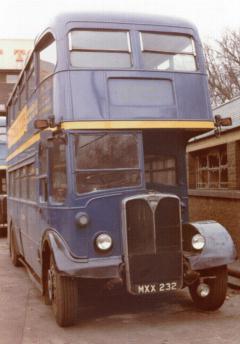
(105, 161)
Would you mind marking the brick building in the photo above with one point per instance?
(13, 53)
(214, 173)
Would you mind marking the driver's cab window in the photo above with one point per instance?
(58, 171)
(160, 160)
(160, 169)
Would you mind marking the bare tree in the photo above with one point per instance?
(223, 67)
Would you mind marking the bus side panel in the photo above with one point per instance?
(13, 222)
(37, 219)
(25, 235)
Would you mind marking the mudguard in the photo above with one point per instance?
(218, 250)
(67, 264)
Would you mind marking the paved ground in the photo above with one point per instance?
(24, 319)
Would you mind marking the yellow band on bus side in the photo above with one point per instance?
(3, 167)
(92, 125)
(138, 125)
(35, 138)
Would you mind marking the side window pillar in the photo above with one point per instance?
(43, 173)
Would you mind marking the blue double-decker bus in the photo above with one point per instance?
(97, 193)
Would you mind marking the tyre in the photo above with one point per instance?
(14, 255)
(218, 289)
(62, 294)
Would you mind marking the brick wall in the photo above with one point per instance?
(233, 153)
(223, 210)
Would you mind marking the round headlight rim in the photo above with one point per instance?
(203, 242)
(97, 248)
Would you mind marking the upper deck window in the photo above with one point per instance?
(47, 60)
(100, 49)
(168, 52)
(30, 72)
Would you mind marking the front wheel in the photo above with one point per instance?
(62, 294)
(217, 282)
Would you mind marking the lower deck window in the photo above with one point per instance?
(22, 182)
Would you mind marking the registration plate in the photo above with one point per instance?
(154, 288)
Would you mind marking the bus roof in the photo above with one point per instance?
(117, 18)
(111, 17)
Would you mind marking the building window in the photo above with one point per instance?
(212, 168)
(11, 78)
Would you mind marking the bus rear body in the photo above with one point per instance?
(97, 130)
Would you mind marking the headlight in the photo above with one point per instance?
(198, 242)
(103, 242)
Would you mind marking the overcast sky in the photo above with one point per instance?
(26, 18)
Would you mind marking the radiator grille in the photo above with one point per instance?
(154, 241)
(140, 229)
(167, 221)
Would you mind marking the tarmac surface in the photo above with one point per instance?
(172, 318)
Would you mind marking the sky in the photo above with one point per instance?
(27, 18)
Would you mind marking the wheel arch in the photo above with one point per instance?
(219, 248)
(52, 245)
